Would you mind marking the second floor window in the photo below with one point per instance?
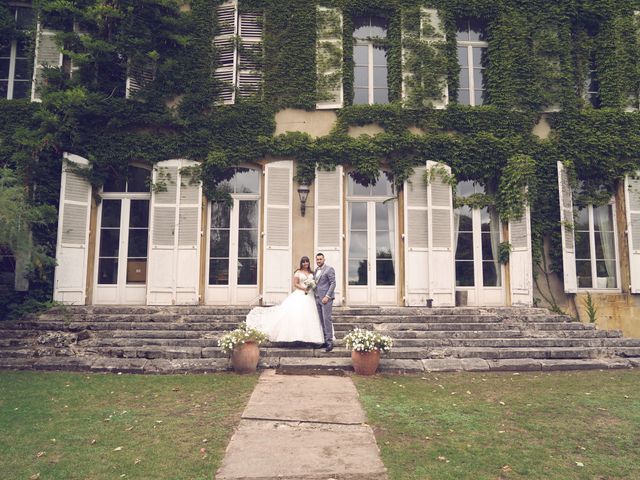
(370, 60)
(472, 57)
(15, 80)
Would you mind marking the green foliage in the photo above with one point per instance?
(590, 307)
(517, 180)
(504, 252)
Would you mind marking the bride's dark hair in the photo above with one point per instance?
(302, 260)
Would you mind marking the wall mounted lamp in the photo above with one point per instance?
(303, 193)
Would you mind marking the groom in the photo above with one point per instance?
(325, 277)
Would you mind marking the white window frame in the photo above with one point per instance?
(370, 67)
(13, 56)
(470, 44)
(592, 252)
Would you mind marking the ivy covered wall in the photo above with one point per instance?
(539, 58)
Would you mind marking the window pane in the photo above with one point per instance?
(22, 48)
(247, 180)
(21, 70)
(603, 218)
(248, 243)
(114, 183)
(606, 271)
(490, 274)
(462, 29)
(108, 271)
(358, 215)
(248, 215)
(360, 96)
(463, 56)
(361, 54)
(464, 78)
(358, 245)
(355, 188)
(361, 27)
(384, 244)
(479, 57)
(581, 221)
(380, 77)
(385, 273)
(379, 26)
(380, 96)
(247, 271)
(361, 77)
(465, 188)
(110, 213)
(477, 29)
(605, 246)
(478, 78)
(489, 248)
(137, 271)
(464, 274)
(4, 68)
(21, 89)
(109, 242)
(464, 248)
(139, 216)
(357, 272)
(379, 56)
(583, 271)
(220, 215)
(465, 223)
(383, 186)
(583, 246)
(463, 97)
(139, 179)
(479, 97)
(219, 244)
(4, 89)
(219, 271)
(138, 243)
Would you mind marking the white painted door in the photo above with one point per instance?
(479, 274)
(233, 265)
(371, 244)
(122, 245)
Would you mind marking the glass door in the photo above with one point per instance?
(371, 250)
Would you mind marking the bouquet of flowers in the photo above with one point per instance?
(362, 340)
(309, 284)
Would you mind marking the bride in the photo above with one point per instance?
(296, 318)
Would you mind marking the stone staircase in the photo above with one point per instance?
(185, 339)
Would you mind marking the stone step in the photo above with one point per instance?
(495, 353)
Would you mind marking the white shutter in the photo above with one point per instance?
(277, 272)
(225, 44)
(416, 239)
(250, 54)
(441, 252)
(70, 282)
(632, 198)
(174, 266)
(431, 32)
(328, 222)
(566, 226)
(47, 53)
(139, 76)
(329, 57)
(520, 260)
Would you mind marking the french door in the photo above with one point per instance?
(121, 260)
(371, 260)
(478, 272)
(233, 249)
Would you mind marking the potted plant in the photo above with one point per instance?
(365, 347)
(243, 345)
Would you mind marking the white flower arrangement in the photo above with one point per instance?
(309, 284)
(240, 335)
(362, 340)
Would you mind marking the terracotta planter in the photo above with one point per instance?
(365, 363)
(244, 358)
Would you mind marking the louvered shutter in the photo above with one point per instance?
(416, 239)
(140, 74)
(441, 253)
(632, 198)
(431, 32)
(520, 260)
(276, 275)
(566, 226)
(174, 266)
(47, 54)
(328, 222)
(250, 54)
(70, 283)
(225, 45)
(329, 58)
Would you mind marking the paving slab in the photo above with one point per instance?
(302, 398)
(442, 364)
(390, 365)
(515, 365)
(474, 364)
(299, 427)
(570, 364)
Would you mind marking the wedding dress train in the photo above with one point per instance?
(294, 320)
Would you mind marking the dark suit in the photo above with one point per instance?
(325, 286)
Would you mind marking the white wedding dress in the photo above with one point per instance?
(294, 320)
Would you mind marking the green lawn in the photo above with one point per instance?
(568, 425)
(89, 426)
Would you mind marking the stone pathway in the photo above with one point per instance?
(299, 427)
